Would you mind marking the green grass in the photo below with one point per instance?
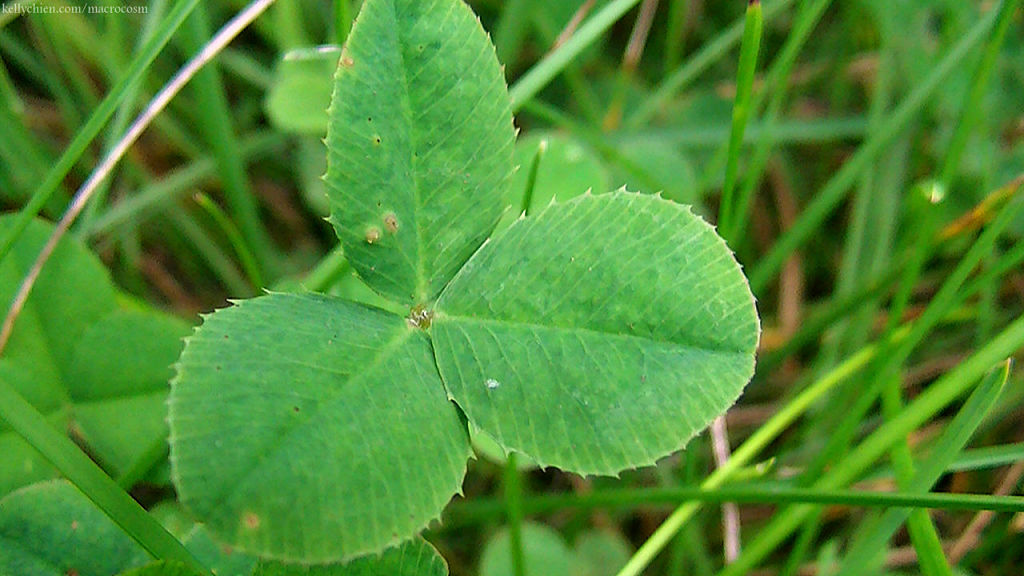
(878, 417)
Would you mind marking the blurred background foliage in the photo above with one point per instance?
(222, 198)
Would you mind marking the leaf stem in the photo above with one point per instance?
(675, 34)
(513, 488)
(137, 207)
(123, 114)
(510, 29)
(872, 288)
(856, 403)
(923, 534)
(234, 236)
(342, 20)
(946, 448)
(531, 178)
(327, 272)
(752, 494)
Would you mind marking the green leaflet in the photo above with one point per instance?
(78, 358)
(544, 553)
(600, 553)
(162, 568)
(217, 558)
(71, 294)
(487, 448)
(413, 558)
(599, 335)
(655, 167)
(307, 428)
(119, 383)
(298, 100)
(52, 529)
(419, 142)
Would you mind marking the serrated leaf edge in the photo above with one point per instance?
(392, 543)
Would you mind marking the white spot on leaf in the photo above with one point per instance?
(491, 383)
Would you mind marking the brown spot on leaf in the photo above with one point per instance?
(347, 61)
(391, 222)
(372, 235)
(251, 521)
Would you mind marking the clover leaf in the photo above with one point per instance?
(596, 335)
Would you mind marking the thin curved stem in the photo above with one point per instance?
(100, 173)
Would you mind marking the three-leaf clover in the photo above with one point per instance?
(597, 335)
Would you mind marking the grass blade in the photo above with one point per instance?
(124, 87)
(749, 49)
(745, 454)
(942, 455)
(936, 398)
(533, 81)
(215, 124)
(88, 477)
(837, 187)
(696, 65)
